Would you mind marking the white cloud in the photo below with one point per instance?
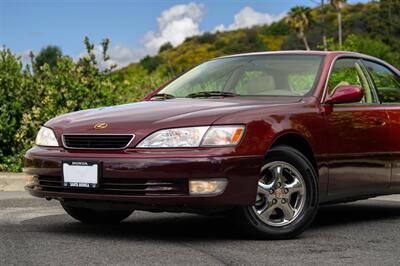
(174, 26)
(248, 17)
(122, 55)
(220, 27)
(192, 11)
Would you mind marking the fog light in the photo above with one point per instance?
(30, 180)
(207, 186)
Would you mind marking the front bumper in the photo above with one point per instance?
(147, 177)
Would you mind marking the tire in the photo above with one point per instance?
(91, 216)
(269, 218)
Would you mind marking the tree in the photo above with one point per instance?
(390, 11)
(323, 25)
(150, 63)
(299, 19)
(338, 6)
(166, 46)
(48, 55)
(207, 38)
(367, 45)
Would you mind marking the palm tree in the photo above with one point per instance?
(338, 6)
(322, 12)
(299, 19)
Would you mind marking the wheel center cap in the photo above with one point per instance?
(279, 193)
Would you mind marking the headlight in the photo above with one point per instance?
(46, 137)
(194, 137)
(176, 137)
(223, 136)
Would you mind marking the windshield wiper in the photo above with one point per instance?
(162, 96)
(211, 94)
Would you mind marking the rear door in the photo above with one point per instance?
(357, 138)
(387, 84)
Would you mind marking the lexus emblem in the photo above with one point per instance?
(100, 126)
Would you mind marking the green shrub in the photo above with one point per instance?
(165, 47)
(150, 63)
(206, 38)
(276, 29)
(248, 42)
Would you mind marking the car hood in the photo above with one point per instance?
(150, 115)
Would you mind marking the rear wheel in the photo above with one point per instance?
(287, 196)
(92, 216)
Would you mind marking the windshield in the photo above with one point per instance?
(254, 75)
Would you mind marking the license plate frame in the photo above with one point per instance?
(81, 174)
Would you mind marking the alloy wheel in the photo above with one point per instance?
(281, 194)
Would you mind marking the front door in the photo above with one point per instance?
(358, 133)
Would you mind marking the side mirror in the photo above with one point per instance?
(346, 94)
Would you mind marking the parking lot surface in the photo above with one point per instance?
(36, 232)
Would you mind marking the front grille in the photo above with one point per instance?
(120, 186)
(99, 141)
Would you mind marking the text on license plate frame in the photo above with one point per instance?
(81, 174)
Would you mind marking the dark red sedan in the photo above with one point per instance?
(265, 136)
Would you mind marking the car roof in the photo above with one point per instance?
(313, 52)
(301, 52)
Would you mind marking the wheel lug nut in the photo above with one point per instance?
(279, 184)
(284, 201)
(271, 191)
(274, 201)
(286, 190)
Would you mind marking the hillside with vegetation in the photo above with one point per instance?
(54, 83)
(372, 28)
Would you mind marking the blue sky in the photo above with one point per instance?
(135, 27)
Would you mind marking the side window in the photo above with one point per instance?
(386, 82)
(348, 71)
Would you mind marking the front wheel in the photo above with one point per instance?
(287, 197)
(91, 216)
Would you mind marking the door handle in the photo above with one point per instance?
(380, 121)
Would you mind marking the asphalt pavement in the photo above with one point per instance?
(37, 232)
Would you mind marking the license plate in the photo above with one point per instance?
(80, 174)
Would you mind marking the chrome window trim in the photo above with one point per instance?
(96, 134)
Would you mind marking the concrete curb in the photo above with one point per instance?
(12, 181)
(395, 198)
